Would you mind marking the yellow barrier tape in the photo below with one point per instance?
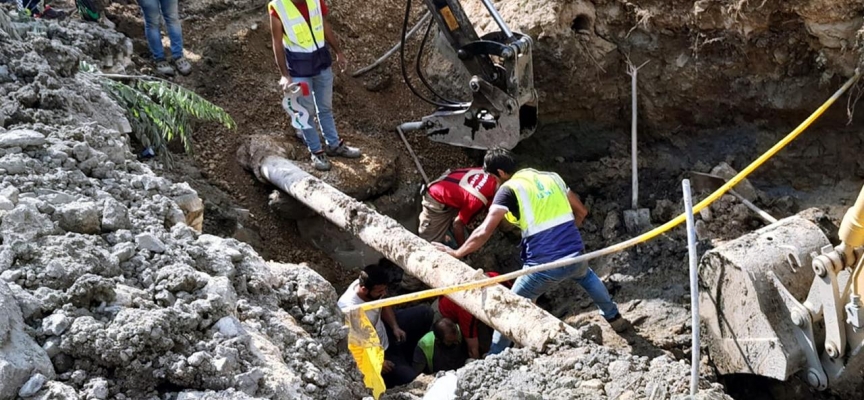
(425, 294)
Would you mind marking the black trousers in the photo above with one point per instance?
(415, 321)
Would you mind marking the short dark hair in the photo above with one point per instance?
(374, 275)
(443, 327)
(499, 158)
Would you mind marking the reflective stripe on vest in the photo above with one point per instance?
(543, 202)
(298, 35)
(463, 183)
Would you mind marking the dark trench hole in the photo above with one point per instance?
(581, 24)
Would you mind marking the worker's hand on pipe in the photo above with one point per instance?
(387, 367)
(342, 62)
(399, 334)
(444, 248)
(285, 83)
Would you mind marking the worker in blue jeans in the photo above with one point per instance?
(301, 38)
(154, 11)
(548, 213)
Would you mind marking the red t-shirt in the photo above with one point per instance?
(304, 10)
(467, 322)
(449, 193)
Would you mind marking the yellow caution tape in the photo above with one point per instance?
(425, 294)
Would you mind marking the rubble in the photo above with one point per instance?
(105, 291)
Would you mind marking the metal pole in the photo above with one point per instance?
(498, 20)
(635, 171)
(694, 287)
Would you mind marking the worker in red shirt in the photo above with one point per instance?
(452, 201)
(469, 325)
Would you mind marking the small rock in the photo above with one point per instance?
(80, 217)
(6, 204)
(33, 385)
(706, 214)
(664, 210)
(98, 389)
(197, 358)
(741, 213)
(11, 193)
(55, 324)
(229, 327)
(744, 188)
(593, 384)
(114, 216)
(611, 225)
(54, 197)
(148, 241)
(21, 138)
(702, 230)
(248, 382)
(123, 251)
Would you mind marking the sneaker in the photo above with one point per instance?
(343, 150)
(320, 161)
(619, 324)
(183, 66)
(50, 13)
(164, 68)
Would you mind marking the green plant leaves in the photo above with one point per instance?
(159, 111)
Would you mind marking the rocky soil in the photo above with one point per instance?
(105, 291)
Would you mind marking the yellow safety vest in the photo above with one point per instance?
(542, 198)
(298, 35)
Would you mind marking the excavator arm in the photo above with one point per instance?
(503, 108)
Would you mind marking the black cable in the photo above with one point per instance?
(402, 61)
(420, 71)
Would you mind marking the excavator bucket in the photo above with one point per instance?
(750, 328)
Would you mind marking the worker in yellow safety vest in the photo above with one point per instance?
(300, 37)
(548, 213)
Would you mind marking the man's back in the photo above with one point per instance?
(469, 196)
(537, 203)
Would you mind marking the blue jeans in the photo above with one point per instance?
(320, 102)
(153, 11)
(531, 286)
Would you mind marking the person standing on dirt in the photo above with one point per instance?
(300, 38)
(154, 11)
(548, 213)
(452, 201)
(398, 344)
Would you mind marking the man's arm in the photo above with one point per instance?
(482, 234)
(389, 318)
(278, 50)
(579, 210)
(473, 347)
(459, 231)
(331, 38)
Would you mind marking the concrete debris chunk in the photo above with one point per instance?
(21, 138)
(80, 217)
(33, 385)
(148, 241)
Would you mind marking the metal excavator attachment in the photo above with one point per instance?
(783, 300)
(503, 109)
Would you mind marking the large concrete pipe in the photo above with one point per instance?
(514, 316)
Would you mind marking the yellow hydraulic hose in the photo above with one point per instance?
(628, 243)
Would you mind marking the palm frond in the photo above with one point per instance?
(158, 110)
